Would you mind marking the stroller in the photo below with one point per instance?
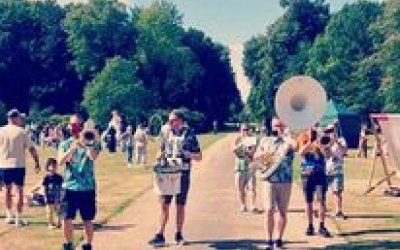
(36, 198)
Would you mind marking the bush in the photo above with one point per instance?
(59, 119)
(196, 120)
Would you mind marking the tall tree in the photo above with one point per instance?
(167, 67)
(282, 52)
(34, 57)
(217, 77)
(97, 31)
(386, 33)
(116, 87)
(340, 57)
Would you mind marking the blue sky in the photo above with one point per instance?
(232, 21)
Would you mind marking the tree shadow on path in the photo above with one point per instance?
(244, 244)
(371, 231)
(367, 245)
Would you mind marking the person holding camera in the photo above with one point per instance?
(181, 146)
(78, 154)
(14, 142)
(313, 150)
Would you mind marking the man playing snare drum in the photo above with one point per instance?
(183, 146)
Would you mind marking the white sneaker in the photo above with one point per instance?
(21, 223)
(130, 165)
(243, 209)
(9, 220)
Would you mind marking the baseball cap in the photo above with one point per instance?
(276, 122)
(178, 113)
(330, 128)
(13, 113)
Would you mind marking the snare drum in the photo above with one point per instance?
(167, 183)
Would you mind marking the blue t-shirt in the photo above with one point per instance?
(79, 172)
(313, 161)
(284, 172)
(52, 185)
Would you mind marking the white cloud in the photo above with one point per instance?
(243, 83)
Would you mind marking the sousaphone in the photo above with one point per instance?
(300, 102)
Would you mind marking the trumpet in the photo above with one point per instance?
(89, 135)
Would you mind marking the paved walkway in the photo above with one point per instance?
(213, 219)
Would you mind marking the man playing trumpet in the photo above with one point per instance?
(274, 155)
(78, 154)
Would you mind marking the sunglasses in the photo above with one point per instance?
(173, 120)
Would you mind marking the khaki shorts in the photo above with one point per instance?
(278, 196)
(246, 179)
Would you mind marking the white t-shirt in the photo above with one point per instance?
(14, 141)
(140, 138)
(334, 164)
(165, 131)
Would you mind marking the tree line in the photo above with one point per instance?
(102, 56)
(354, 53)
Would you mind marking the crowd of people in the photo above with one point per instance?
(271, 156)
(78, 145)
(257, 154)
(130, 140)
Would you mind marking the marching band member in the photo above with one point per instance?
(312, 152)
(334, 167)
(181, 145)
(245, 176)
(279, 151)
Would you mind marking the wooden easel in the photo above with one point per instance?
(379, 153)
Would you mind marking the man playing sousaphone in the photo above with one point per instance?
(274, 156)
(243, 148)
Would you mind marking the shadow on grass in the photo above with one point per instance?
(371, 231)
(37, 223)
(119, 228)
(372, 216)
(367, 245)
(244, 244)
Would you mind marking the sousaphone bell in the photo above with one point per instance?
(300, 102)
